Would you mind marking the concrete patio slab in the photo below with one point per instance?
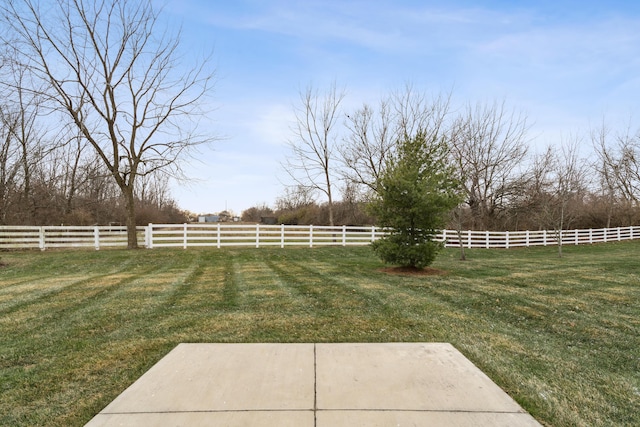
(224, 377)
(313, 385)
(206, 419)
(422, 418)
(404, 376)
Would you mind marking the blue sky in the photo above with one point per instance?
(566, 65)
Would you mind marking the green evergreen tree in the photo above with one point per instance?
(415, 195)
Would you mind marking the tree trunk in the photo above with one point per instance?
(331, 220)
(463, 256)
(132, 235)
(560, 245)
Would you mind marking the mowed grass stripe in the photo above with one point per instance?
(109, 321)
(562, 330)
(96, 305)
(560, 335)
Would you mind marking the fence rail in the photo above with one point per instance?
(259, 235)
(48, 237)
(514, 239)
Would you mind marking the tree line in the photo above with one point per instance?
(586, 181)
(48, 177)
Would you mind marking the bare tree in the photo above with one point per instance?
(295, 197)
(369, 141)
(311, 163)
(117, 75)
(533, 199)
(69, 169)
(415, 112)
(23, 135)
(488, 145)
(372, 134)
(569, 184)
(605, 168)
(556, 187)
(9, 160)
(100, 193)
(618, 168)
(297, 206)
(73, 179)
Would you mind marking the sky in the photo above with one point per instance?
(566, 65)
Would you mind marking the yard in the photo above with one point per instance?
(561, 336)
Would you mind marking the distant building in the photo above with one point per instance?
(208, 218)
(224, 216)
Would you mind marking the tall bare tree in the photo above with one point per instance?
(9, 160)
(369, 141)
(311, 162)
(618, 167)
(568, 184)
(24, 134)
(532, 201)
(488, 145)
(373, 134)
(117, 75)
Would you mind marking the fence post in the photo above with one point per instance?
(507, 239)
(41, 239)
(184, 236)
(281, 235)
(487, 239)
(311, 236)
(373, 233)
(444, 237)
(591, 236)
(544, 237)
(150, 236)
(469, 239)
(526, 239)
(96, 238)
(576, 234)
(257, 235)
(218, 237)
(344, 235)
(619, 234)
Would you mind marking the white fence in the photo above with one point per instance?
(258, 235)
(514, 239)
(47, 237)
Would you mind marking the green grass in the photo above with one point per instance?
(562, 336)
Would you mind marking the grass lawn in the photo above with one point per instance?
(562, 336)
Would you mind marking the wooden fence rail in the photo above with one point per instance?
(258, 235)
